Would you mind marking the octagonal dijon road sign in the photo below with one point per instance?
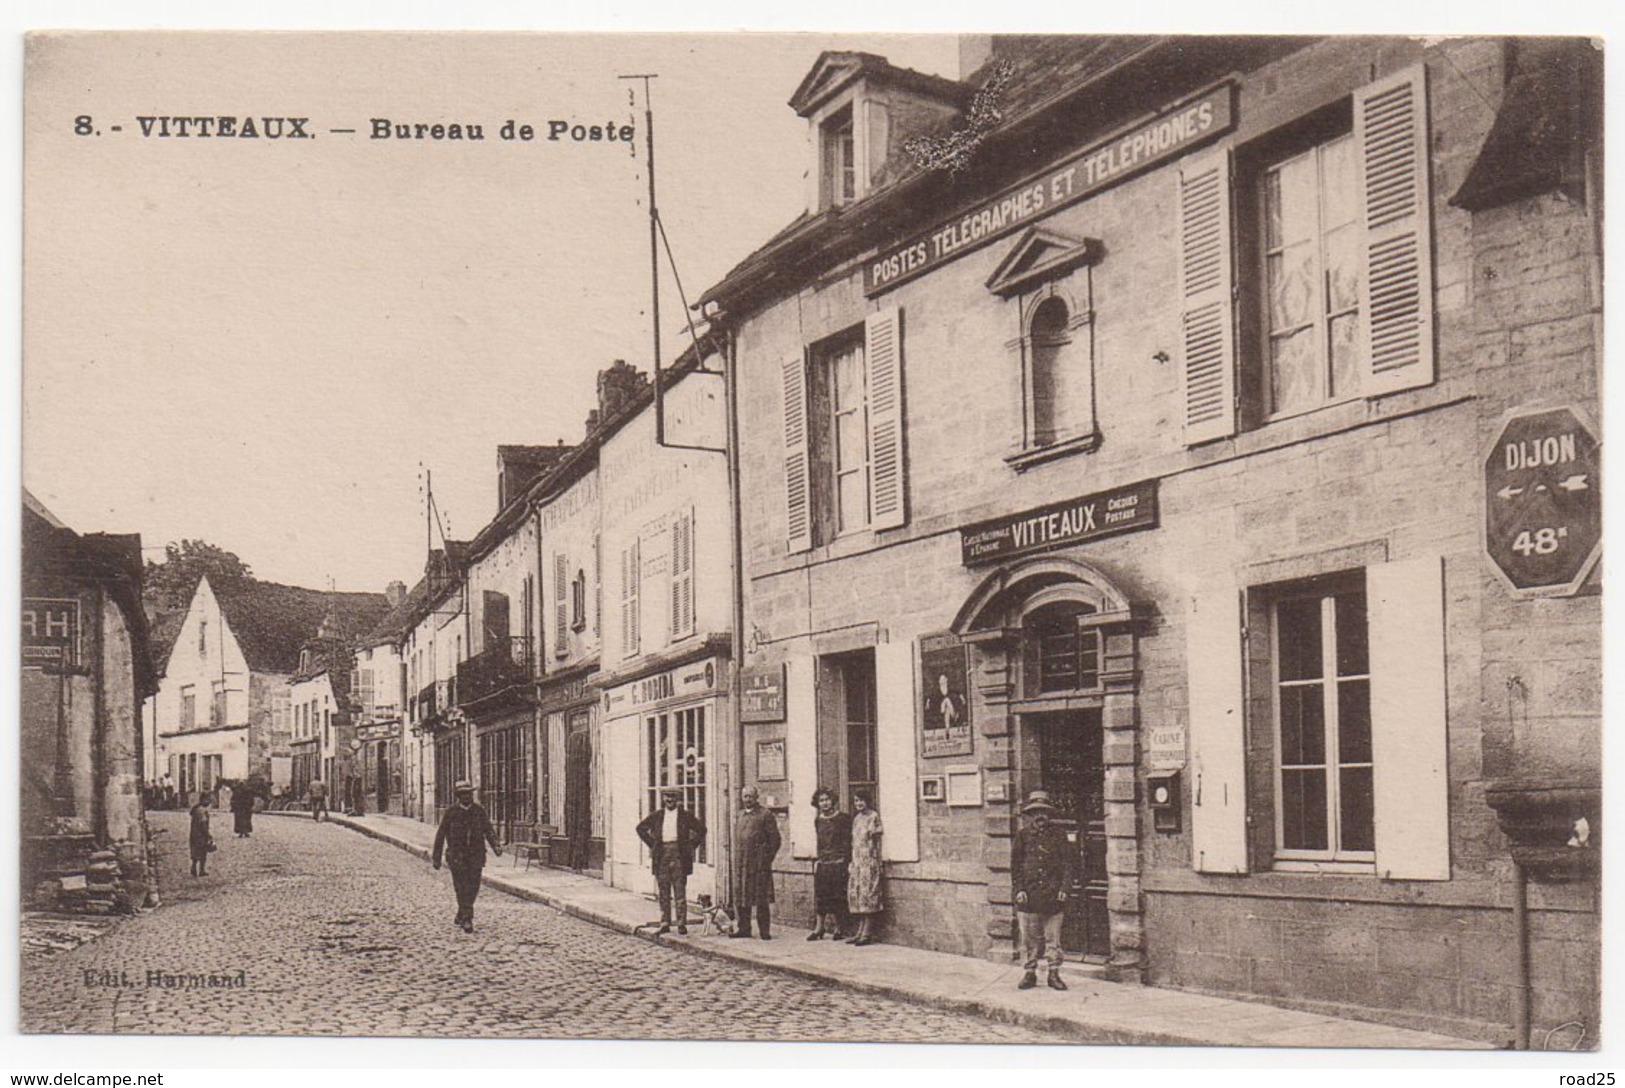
(1543, 501)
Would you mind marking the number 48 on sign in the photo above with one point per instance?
(1543, 502)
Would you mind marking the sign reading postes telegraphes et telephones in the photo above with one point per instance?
(1543, 501)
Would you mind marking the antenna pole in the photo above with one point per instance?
(654, 252)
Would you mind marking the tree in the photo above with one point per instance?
(169, 585)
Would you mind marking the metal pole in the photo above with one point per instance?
(654, 252)
(1520, 937)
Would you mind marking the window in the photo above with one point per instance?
(189, 707)
(843, 428)
(847, 742)
(676, 756)
(202, 637)
(1323, 727)
(217, 705)
(1310, 278)
(1332, 246)
(1060, 654)
(1059, 396)
(840, 166)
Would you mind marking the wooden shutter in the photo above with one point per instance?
(1391, 144)
(561, 604)
(682, 575)
(1207, 319)
(627, 648)
(883, 354)
(898, 770)
(1409, 734)
(1217, 736)
(634, 638)
(801, 754)
(597, 586)
(797, 467)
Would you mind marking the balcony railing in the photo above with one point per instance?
(435, 699)
(505, 663)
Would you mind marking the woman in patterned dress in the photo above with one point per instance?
(863, 875)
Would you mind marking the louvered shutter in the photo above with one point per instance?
(797, 482)
(682, 575)
(597, 586)
(1207, 321)
(1391, 143)
(634, 642)
(1217, 738)
(883, 354)
(627, 649)
(561, 604)
(1409, 733)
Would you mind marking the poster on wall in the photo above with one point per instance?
(945, 725)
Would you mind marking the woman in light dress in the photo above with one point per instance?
(863, 875)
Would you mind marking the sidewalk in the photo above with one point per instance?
(1092, 1010)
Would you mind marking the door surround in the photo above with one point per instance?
(992, 622)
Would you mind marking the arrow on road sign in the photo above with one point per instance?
(1510, 492)
(1574, 483)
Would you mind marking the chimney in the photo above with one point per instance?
(617, 386)
(395, 593)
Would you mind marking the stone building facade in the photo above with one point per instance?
(1130, 439)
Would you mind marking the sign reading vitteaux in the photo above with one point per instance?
(1060, 524)
(1173, 133)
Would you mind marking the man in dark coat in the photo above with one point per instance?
(464, 831)
(1043, 865)
(756, 842)
(242, 810)
(672, 834)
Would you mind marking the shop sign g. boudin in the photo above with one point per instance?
(1060, 524)
(1170, 134)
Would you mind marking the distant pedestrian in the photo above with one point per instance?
(672, 834)
(832, 829)
(242, 810)
(1043, 864)
(199, 841)
(756, 843)
(318, 800)
(863, 881)
(464, 831)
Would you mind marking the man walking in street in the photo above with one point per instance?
(318, 800)
(756, 842)
(1043, 865)
(672, 835)
(464, 831)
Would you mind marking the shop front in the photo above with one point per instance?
(573, 793)
(379, 759)
(508, 776)
(665, 729)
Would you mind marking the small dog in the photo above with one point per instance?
(719, 920)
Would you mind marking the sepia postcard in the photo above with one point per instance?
(938, 538)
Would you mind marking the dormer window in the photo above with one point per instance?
(840, 165)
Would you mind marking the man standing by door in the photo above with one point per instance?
(756, 842)
(464, 831)
(1043, 865)
(672, 835)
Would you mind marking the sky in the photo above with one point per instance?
(269, 344)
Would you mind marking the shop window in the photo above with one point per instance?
(843, 428)
(848, 713)
(1323, 752)
(838, 147)
(1305, 263)
(676, 757)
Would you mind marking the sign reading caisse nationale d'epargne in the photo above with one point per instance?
(1543, 502)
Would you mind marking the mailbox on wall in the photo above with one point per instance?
(1163, 798)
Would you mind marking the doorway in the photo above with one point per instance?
(578, 788)
(1071, 769)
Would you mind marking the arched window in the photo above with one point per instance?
(1060, 655)
(1053, 387)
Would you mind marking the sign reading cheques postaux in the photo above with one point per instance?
(1543, 501)
(1170, 134)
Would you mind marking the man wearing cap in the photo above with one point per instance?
(672, 834)
(464, 831)
(1043, 865)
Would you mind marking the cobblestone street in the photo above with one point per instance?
(337, 934)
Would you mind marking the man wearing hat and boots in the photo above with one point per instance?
(672, 834)
(464, 831)
(1043, 865)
